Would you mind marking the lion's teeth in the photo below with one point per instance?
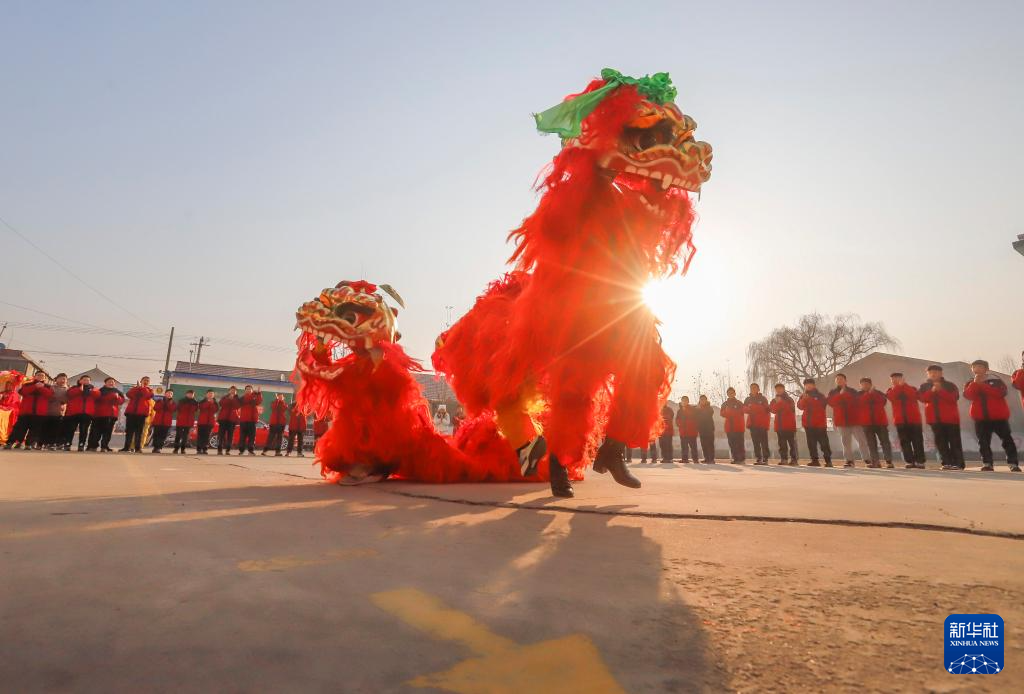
(666, 182)
(630, 169)
(656, 174)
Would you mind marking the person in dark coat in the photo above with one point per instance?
(665, 440)
(705, 415)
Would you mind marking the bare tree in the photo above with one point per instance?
(1007, 364)
(816, 346)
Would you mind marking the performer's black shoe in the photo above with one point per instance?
(560, 485)
(609, 459)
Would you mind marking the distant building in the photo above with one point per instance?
(218, 378)
(1018, 245)
(98, 376)
(17, 360)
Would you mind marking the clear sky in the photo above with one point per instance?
(212, 165)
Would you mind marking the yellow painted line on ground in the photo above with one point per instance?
(183, 517)
(293, 562)
(570, 664)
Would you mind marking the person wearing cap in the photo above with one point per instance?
(845, 403)
(759, 418)
(814, 420)
(943, 415)
(906, 415)
(732, 412)
(991, 414)
(686, 425)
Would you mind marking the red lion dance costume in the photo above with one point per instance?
(380, 422)
(564, 341)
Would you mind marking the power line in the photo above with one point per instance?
(101, 356)
(137, 335)
(73, 274)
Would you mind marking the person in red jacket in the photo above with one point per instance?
(108, 406)
(278, 418)
(906, 415)
(185, 419)
(226, 420)
(732, 412)
(1018, 379)
(991, 414)
(875, 421)
(135, 415)
(815, 422)
(81, 408)
(163, 418)
(846, 418)
(296, 429)
(206, 418)
(248, 413)
(784, 409)
(32, 413)
(942, 414)
(759, 418)
(686, 424)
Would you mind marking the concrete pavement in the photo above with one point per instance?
(180, 573)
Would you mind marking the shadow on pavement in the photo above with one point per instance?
(268, 588)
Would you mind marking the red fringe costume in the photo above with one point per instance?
(567, 334)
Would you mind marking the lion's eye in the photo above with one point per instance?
(346, 314)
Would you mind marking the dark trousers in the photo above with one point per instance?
(667, 447)
(818, 436)
(53, 430)
(787, 445)
(737, 447)
(100, 433)
(652, 449)
(911, 442)
(22, 430)
(225, 435)
(689, 446)
(759, 437)
(274, 438)
(181, 438)
(707, 445)
(984, 428)
(292, 436)
(133, 424)
(203, 437)
(947, 440)
(79, 423)
(878, 434)
(246, 436)
(160, 436)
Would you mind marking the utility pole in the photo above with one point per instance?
(167, 360)
(199, 348)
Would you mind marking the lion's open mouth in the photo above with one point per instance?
(318, 355)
